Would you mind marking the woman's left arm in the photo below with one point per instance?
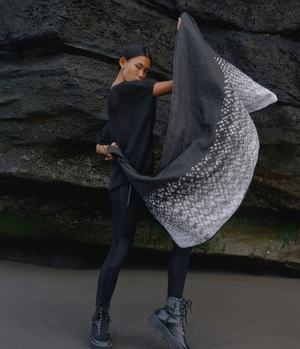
(162, 88)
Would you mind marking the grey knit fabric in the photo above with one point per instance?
(211, 147)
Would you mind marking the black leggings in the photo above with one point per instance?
(124, 227)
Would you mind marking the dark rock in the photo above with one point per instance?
(101, 30)
(269, 60)
(248, 15)
(58, 60)
(276, 179)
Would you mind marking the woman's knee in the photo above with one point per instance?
(121, 253)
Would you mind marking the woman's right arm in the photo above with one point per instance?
(101, 149)
(103, 140)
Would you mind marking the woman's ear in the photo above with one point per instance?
(122, 62)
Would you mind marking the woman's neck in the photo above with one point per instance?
(119, 79)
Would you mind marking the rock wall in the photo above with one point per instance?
(59, 58)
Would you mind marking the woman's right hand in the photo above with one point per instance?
(111, 156)
(102, 149)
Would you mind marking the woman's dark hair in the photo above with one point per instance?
(135, 50)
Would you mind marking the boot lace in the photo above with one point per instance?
(184, 310)
(102, 320)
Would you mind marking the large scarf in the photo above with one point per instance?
(211, 147)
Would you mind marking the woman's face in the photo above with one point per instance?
(135, 69)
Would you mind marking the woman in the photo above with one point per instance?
(207, 163)
(131, 112)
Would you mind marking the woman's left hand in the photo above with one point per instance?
(179, 22)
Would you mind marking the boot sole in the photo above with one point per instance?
(158, 325)
(95, 346)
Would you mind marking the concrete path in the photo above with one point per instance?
(46, 308)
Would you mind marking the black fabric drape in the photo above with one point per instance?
(211, 146)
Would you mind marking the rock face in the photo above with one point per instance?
(59, 58)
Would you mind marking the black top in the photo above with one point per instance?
(131, 113)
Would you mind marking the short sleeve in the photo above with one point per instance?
(103, 136)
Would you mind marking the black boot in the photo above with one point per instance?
(169, 320)
(100, 337)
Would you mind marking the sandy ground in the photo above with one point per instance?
(47, 308)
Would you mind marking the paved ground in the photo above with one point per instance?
(46, 308)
